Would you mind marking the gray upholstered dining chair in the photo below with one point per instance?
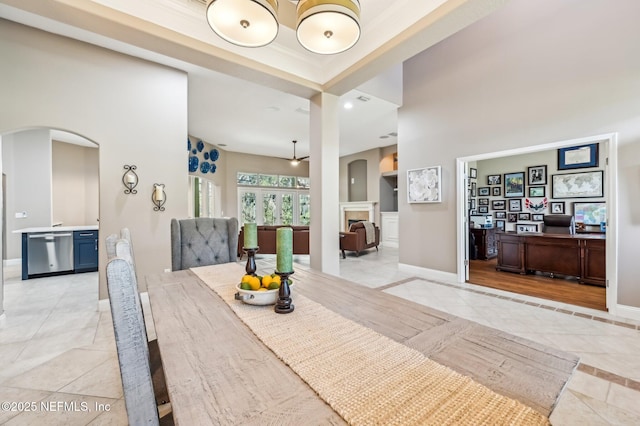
(203, 241)
(145, 390)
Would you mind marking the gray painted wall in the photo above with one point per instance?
(27, 164)
(529, 74)
(136, 111)
(358, 180)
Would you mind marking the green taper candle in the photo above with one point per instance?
(250, 235)
(284, 249)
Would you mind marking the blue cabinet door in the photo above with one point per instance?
(85, 251)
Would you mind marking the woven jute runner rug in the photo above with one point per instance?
(368, 378)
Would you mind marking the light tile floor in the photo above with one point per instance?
(58, 351)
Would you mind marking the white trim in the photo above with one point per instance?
(630, 312)
(432, 274)
(611, 140)
(356, 206)
(104, 305)
(13, 262)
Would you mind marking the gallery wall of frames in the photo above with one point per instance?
(518, 191)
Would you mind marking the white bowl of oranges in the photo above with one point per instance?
(259, 290)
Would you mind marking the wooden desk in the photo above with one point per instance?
(579, 255)
(218, 372)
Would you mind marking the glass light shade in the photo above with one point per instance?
(328, 26)
(247, 23)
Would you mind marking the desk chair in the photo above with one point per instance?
(203, 241)
(558, 224)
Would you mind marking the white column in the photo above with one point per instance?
(323, 171)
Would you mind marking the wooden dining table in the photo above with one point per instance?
(218, 372)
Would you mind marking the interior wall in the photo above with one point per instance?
(358, 180)
(520, 163)
(501, 84)
(372, 157)
(135, 110)
(27, 165)
(74, 181)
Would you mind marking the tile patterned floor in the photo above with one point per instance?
(58, 351)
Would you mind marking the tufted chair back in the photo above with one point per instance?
(203, 241)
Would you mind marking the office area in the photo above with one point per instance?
(511, 74)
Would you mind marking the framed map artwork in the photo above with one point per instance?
(578, 185)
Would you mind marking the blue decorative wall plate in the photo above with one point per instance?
(200, 146)
(193, 164)
(214, 155)
(213, 168)
(188, 144)
(206, 155)
(204, 167)
(194, 151)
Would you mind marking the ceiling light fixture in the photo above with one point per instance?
(325, 27)
(247, 23)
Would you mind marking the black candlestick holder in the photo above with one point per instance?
(284, 305)
(251, 260)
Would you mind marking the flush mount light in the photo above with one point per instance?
(247, 23)
(328, 26)
(323, 26)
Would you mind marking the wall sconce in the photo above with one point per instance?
(158, 197)
(130, 179)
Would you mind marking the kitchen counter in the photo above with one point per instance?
(56, 229)
(54, 250)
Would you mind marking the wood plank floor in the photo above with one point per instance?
(483, 272)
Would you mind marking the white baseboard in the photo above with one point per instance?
(13, 262)
(429, 273)
(104, 305)
(630, 312)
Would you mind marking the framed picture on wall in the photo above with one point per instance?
(536, 191)
(473, 173)
(494, 179)
(512, 217)
(537, 217)
(483, 201)
(524, 216)
(557, 207)
(501, 215)
(578, 157)
(500, 225)
(578, 185)
(483, 209)
(498, 205)
(515, 205)
(483, 191)
(514, 184)
(496, 191)
(537, 175)
(424, 185)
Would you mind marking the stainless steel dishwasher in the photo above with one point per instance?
(50, 252)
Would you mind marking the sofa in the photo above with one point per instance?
(356, 239)
(267, 239)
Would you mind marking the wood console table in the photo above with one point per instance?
(580, 256)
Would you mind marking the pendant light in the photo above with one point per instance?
(247, 23)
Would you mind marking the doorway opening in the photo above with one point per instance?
(498, 205)
(51, 180)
